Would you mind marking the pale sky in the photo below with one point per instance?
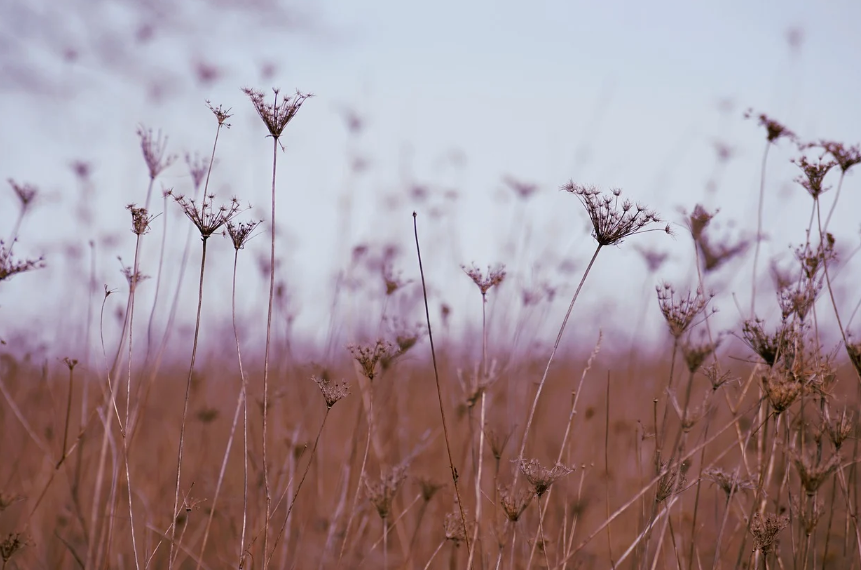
(454, 96)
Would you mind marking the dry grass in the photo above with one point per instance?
(717, 451)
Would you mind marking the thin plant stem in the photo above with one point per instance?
(173, 541)
(552, 355)
(453, 469)
(834, 204)
(758, 231)
(266, 362)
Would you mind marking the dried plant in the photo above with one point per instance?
(524, 190)
(839, 428)
(671, 482)
(279, 112)
(428, 487)
(456, 530)
(765, 531)
(25, 193)
(10, 266)
(133, 278)
(541, 478)
(382, 493)
(653, 259)
(240, 233)
(197, 169)
(612, 221)
(812, 468)
(9, 499)
(769, 347)
(690, 417)
(514, 501)
(717, 377)
(369, 356)
(730, 483)
(221, 114)
(813, 175)
(845, 156)
(695, 353)
(154, 147)
(781, 389)
(140, 219)
(774, 129)
(333, 392)
(12, 544)
(809, 518)
(206, 218)
(485, 281)
(681, 312)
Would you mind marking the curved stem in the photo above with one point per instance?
(173, 543)
(758, 230)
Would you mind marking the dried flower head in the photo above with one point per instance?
(540, 477)
(781, 389)
(765, 531)
(153, 147)
(769, 347)
(332, 392)
(514, 502)
(9, 499)
(392, 281)
(12, 544)
(717, 377)
(498, 440)
(808, 516)
(140, 219)
(612, 222)
(455, 529)
(846, 157)
(654, 259)
(731, 483)
(368, 356)
(26, 193)
(494, 276)
(476, 382)
(133, 278)
(695, 353)
(428, 487)
(10, 266)
(277, 114)
(690, 417)
(839, 427)
(197, 168)
(524, 190)
(813, 175)
(680, 313)
(381, 493)
(672, 481)
(206, 218)
(240, 233)
(812, 468)
(774, 129)
(798, 298)
(221, 114)
(812, 260)
(207, 415)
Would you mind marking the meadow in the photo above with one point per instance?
(402, 442)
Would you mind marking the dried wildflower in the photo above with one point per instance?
(769, 347)
(453, 525)
(494, 276)
(782, 390)
(716, 377)
(382, 493)
(809, 518)
(672, 481)
(813, 175)
(474, 384)
(9, 499)
(153, 147)
(731, 483)
(498, 441)
(654, 259)
(698, 220)
(846, 157)
(524, 190)
(838, 428)
(812, 470)
(715, 256)
(680, 314)
(221, 114)
(12, 544)
(392, 282)
(133, 278)
(513, 502)
(798, 298)
(690, 417)
(140, 219)
(332, 392)
(428, 487)
(774, 130)
(612, 222)
(197, 168)
(10, 266)
(240, 233)
(540, 477)
(696, 353)
(207, 219)
(368, 356)
(765, 531)
(813, 261)
(26, 193)
(277, 114)
(207, 415)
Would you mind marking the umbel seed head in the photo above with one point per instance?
(612, 220)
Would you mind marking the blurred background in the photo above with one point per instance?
(471, 114)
